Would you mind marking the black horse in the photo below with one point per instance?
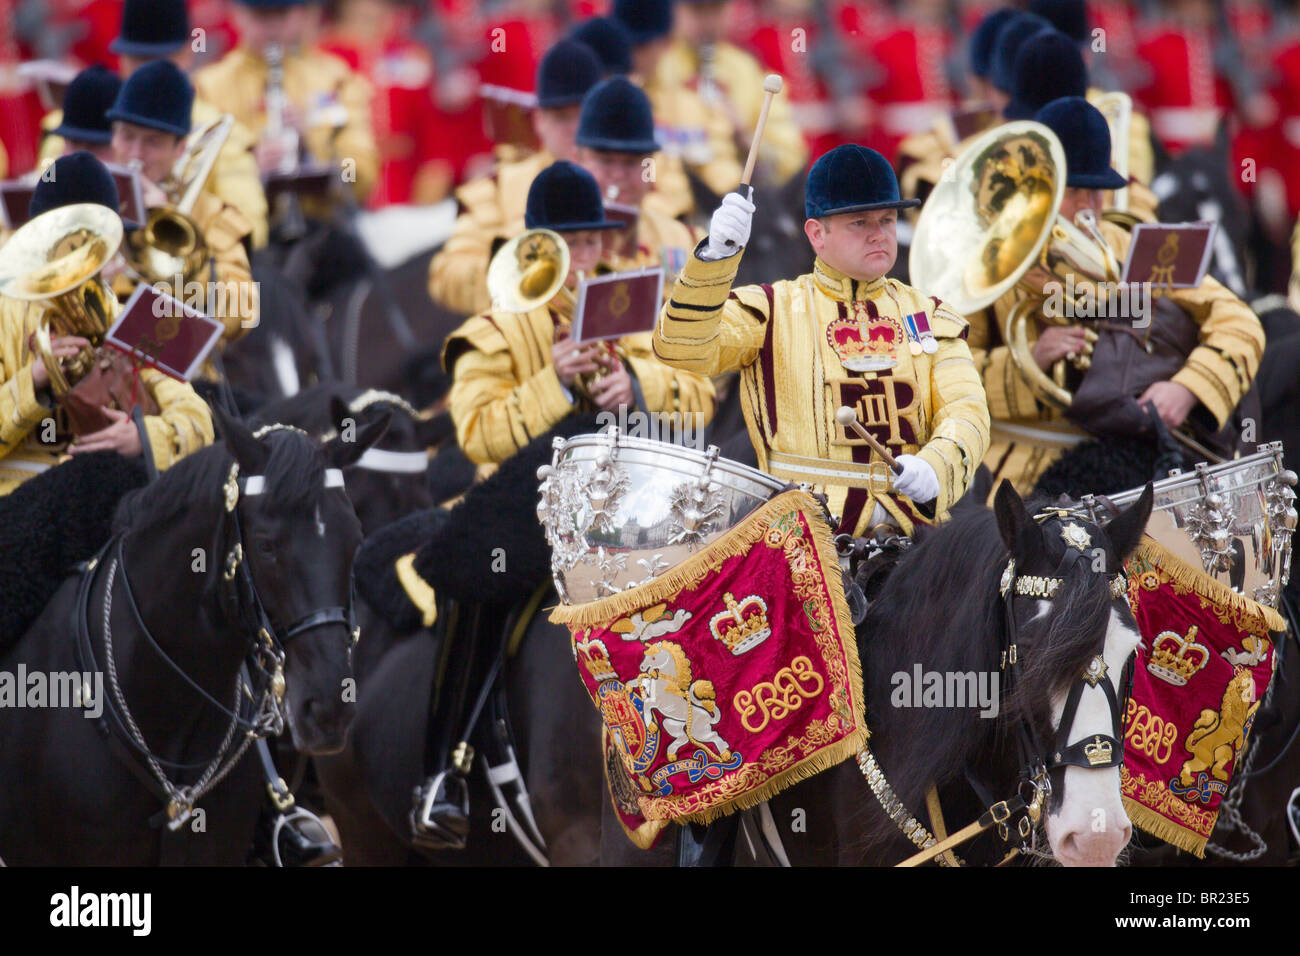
(238, 556)
(388, 481)
(558, 730)
(972, 761)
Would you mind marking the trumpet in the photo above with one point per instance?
(56, 260)
(996, 218)
(528, 272)
(171, 243)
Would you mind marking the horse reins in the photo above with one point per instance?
(1101, 752)
(266, 651)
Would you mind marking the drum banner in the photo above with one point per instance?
(729, 678)
(1204, 664)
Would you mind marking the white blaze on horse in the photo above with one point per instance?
(1089, 827)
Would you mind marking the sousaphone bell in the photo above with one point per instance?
(995, 216)
(56, 259)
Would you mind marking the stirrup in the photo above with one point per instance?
(440, 817)
(294, 838)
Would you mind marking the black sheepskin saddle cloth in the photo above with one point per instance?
(488, 549)
(50, 524)
(1107, 467)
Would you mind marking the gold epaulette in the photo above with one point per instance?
(416, 588)
(480, 333)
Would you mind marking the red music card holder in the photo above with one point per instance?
(16, 196)
(618, 304)
(308, 181)
(1169, 255)
(164, 333)
(507, 116)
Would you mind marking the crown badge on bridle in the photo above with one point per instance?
(1097, 752)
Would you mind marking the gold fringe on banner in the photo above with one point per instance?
(1205, 586)
(832, 756)
(1162, 828)
(687, 576)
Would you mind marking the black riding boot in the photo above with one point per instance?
(440, 816)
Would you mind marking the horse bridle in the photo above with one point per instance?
(1097, 752)
(1034, 788)
(252, 615)
(266, 653)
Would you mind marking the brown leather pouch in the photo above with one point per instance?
(112, 381)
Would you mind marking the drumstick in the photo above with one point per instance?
(846, 417)
(771, 87)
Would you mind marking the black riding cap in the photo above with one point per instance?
(567, 71)
(85, 104)
(152, 28)
(852, 178)
(1085, 137)
(159, 96)
(1048, 67)
(616, 117)
(566, 198)
(76, 178)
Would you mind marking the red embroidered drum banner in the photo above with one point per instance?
(727, 679)
(1204, 664)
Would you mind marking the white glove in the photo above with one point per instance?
(918, 480)
(731, 221)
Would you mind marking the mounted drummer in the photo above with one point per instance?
(843, 335)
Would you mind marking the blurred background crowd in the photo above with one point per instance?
(1220, 76)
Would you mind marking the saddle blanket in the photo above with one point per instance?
(1203, 667)
(729, 678)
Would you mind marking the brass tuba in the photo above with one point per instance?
(171, 243)
(528, 271)
(56, 259)
(993, 217)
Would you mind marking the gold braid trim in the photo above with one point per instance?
(1162, 828)
(686, 576)
(417, 589)
(1205, 586)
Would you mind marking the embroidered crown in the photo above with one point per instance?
(1175, 659)
(743, 625)
(593, 655)
(1097, 752)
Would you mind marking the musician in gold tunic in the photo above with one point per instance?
(329, 103)
(843, 335)
(183, 423)
(515, 374)
(492, 207)
(151, 119)
(616, 143)
(1028, 435)
(160, 29)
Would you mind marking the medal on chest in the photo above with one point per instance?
(864, 340)
(920, 337)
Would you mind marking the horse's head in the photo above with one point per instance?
(391, 477)
(299, 535)
(1069, 607)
